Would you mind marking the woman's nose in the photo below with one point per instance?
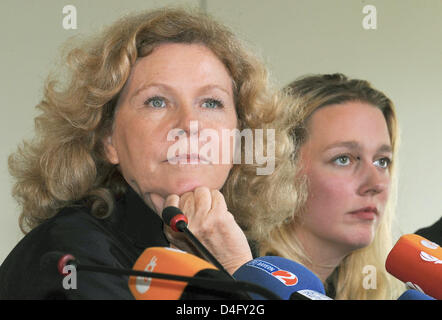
(187, 119)
(374, 180)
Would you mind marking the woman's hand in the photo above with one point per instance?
(211, 222)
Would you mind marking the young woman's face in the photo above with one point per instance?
(346, 158)
(168, 90)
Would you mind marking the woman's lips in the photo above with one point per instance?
(367, 213)
(188, 159)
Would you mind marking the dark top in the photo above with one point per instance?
(433, 232)
(115, 241)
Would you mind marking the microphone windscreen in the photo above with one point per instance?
(279, 275)
(414, 295)
(169, 213)
(168, 261)
(417, 262)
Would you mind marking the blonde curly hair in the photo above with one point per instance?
(65, 163)
(310, 93)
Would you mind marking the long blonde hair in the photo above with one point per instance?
(65, 163)
(310, 93)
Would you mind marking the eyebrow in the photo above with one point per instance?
(169, 88)
(150, 85)
(353, 145)
(218, 87)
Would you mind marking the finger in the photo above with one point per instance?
(218, 201)
(187, 204)
(172, 200)
(203, 201)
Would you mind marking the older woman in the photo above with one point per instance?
(345, 136)
(100, 170)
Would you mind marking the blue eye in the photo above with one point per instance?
(156, 102)
(212, 104)
(382, 163)
(342, 160)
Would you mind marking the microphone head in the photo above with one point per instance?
(279, 275)
(168, 261)
(414, 295)
(417, 262)
(172, 216)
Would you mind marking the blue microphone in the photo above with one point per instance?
(414, 295)
(286, 278)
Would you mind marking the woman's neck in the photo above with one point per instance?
(324, 256)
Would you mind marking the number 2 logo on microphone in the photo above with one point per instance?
(286, 277)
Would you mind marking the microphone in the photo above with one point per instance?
(175, 218)
(210, 280)
(417, 262)
(170, 261)
(288, 279)
(207, 282)
(414, 295)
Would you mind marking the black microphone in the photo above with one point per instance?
(208, 282)
(175, 218)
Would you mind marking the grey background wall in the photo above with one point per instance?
(402, 57)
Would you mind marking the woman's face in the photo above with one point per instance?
(166, 90)
(346, 158)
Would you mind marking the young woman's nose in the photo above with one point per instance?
(373, 180)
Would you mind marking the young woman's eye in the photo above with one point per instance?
(156, 102)
(342, 160)
(382, 163)
(212, 104)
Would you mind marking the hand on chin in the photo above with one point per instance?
(157, 201)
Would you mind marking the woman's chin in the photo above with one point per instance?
(361, 240)
(181, 186)
(180, 182)
(186, 186)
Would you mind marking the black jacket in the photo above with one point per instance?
(116, 241)
(433, 232)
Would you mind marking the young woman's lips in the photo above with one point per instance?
(367, 213)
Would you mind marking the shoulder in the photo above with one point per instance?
(73, 230)
(71, 225)
(433, 232)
